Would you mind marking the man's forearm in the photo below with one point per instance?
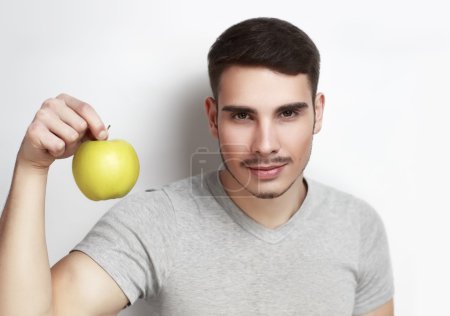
(25, 279)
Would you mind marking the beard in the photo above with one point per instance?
(258, 160)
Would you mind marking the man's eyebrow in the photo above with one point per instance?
(285, 107)
(238, 108)
(296, 106)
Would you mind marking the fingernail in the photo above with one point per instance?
(102, 135)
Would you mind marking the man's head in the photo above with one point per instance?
(266, 42)
(265, 110)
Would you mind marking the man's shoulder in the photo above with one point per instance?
(187, 187)
(338, 201)
(184, 191)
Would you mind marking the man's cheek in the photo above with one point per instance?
(234, 134)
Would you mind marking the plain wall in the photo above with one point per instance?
(142, 65)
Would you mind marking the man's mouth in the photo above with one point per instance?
(265, 168)
(266, 172)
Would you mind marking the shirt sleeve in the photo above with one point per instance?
(375, 284)
(133, 243)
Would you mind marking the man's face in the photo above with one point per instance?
(265, 123)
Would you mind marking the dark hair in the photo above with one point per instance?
(267, 42)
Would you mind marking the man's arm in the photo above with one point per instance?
(386, 309)
(81, 287)
(75, 285)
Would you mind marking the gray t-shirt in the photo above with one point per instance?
(187, 249)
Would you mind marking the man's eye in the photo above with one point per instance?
(241, 116)
(288, 113)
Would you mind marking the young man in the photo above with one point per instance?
(254, 238)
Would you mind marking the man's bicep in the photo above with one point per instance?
(386, 309)
(82, 287)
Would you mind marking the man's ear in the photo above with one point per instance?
(319, 105)
(211, 113)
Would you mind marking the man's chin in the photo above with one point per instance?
(265, 190)
(269, 190)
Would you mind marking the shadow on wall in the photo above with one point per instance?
(198, 149)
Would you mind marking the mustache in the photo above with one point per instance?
(261, 161)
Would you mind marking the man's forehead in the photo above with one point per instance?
(245, 85)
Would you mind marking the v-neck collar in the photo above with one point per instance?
(249, 224)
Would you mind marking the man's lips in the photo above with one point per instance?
(265, 168)
(266, 172)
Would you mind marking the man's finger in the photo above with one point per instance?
(71, 118)
(87, 112)
(42, 138)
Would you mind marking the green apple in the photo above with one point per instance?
(105, 169)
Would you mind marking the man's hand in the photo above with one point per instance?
(57, 130)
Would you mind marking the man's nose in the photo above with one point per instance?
(265, 139)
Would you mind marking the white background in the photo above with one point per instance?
(142, 65)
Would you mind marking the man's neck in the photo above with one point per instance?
(270, 213)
